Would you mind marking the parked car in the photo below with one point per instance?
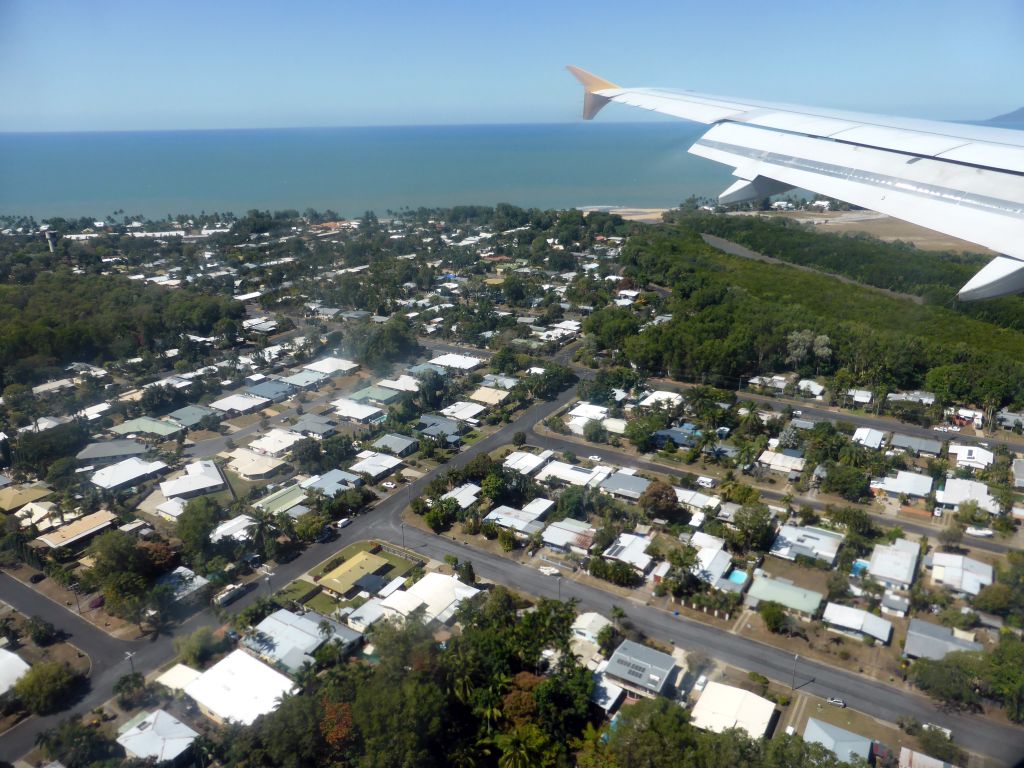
(97, 602)
(595, 457)
(344, 522)
(702, 681)
(35, 578)
(389, 485)
(706, 482)
(836, 702)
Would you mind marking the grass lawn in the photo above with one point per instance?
(299, 590)
(239, 486)
(323, 604)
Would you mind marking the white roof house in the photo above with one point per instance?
(589, 625)
(810, 387)
(463, 411)
(905, 483)
(781, 462)
(632, 550)
(404, 383)
(570, 535)
(661, 398)
(288, 639)
(239, 403)
(178, 677)
(353, 411)
(894, 565)
(794, 540)
(376, 465)
(958, 491)
(860, 396)
(249, 465)
(200, 477)
(574, 475)
(332, 366)
(584, 410)
(971, 456)
(125, 472)
(465, 495)
(437, 594)
(525, 521)
(526, 463)
(236, 528)
(695, 501)
(457, 362)
(275, 443)
(856, 621)
(722, 707)
(12, 667)
(238, 689)
(869, 438)
(961, 574)
(159, 736)
(489, 395)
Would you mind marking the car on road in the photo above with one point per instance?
(983, 533)
(836, 702)
(595, 457)
(343, 523)
(797, 413)
(35, 578)
(701, 683)
(548, 570)
(706, 482)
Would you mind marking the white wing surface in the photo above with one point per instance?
(962, 180)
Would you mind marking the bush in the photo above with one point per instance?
(196, 648)
(46, 687)
(41, 631)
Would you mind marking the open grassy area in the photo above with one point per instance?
(323, 604)
(239, 486)
(299, 591)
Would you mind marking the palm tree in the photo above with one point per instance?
(325, 628)
(617, 615)
(522, 748)
(305, 676)
(260, 528)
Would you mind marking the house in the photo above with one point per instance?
(810, 388)
(894, 605)
(695, 501)
(869, 438)
(605, 693)
(276, 442)
(526, 463)
(625, 485)
(848, 746)
(794, 541)
(126, 472)
(332, 366)
(526, 521)
(79, 530)
(304, 380)
(569, 535)
(157, 736)
(436, 596)
(461, 363)
(200, 477)
(723, 707)
(109, 451)
(803, 602)
(14, 497)
(12, 667)
(674, 435)
(856, 623)
(191, 416)
(917, 396)
(641, 671)
(355, 412)
(1018, 473)
(465, 495)
(588, 626)
(238, 404)
(631, 550)
(859, 396)
(238, 689)
(572, 474)
(463, 411)
(960, 574)
(273, 390)
(440, 428)
(44, 515)
(661, 399)
(396, 445)
(909, 484)
(713, 563)
(776, 461)
(932, 641)
(583, 413)
(499, 381)
(316, 426)
(332, 482)
(916, 446)
(187, 585)
(375, 465)
(366, 615)
(288, 640)
(404, 383)
(252, 466)
(489, 396)
(894, 565)
(342, 580)
(289, 500)
(958, 491)
(971, 456)
(147, 425)
(237, 528)
(911, 759)
(382, 396)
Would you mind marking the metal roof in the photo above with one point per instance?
(641, 667)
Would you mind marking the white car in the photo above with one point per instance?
(836, 702)
(983, 533)
(548, 570)
(345, 521)
(706, 482)
(594, 458)
(702, 681)
(798, 413)
(389, 485)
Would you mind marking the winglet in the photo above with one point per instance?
(592, 101)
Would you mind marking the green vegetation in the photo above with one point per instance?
(47, 687)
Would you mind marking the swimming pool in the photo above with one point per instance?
(738, 577)
(859, 566)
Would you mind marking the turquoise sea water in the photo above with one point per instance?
(351, 170)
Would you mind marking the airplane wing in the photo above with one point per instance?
(961, 180)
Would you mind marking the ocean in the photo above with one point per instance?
(352, 170)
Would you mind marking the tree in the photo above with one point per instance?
(659, 500)
(753, 528)
(652, 733)
(951, 536)
(774, 617)
(128, 689)
(75, 744)
(997, 598)
(507, 539)
(196, 648)
(194, 526)
(952, 680)
(47, 687)
(519, 439)
(594, 431)
(41, 631)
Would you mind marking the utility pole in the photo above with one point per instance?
(792, 685)
(559, 587)
(403, 535)
(129, 657)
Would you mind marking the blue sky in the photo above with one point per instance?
(70, 65)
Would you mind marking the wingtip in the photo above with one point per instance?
(592, 101)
